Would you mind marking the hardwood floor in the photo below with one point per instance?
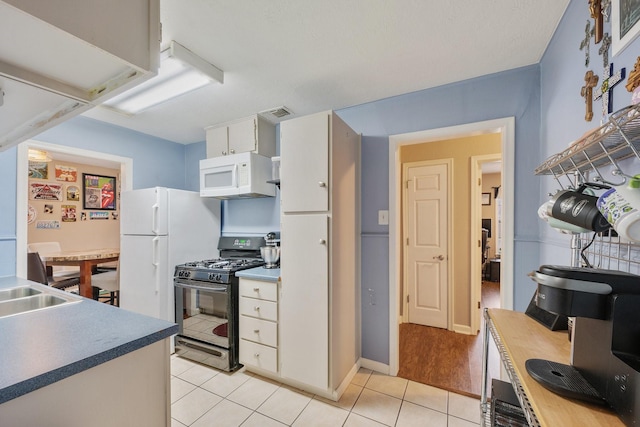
(446, 359)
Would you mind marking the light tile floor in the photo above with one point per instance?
(205, 397)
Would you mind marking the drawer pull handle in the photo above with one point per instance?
(256, 331)
(257, 354)
(256, 308)
(322, 184)
(256, 289)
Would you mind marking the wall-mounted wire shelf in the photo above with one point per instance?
(616, 140)
(610, 253)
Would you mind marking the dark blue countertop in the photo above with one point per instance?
(45, 346)
(260, 273)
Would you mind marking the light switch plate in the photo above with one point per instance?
(383, 217)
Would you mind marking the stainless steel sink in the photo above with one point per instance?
(22, 291)
(30, 298)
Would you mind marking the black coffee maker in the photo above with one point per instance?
(605, 366)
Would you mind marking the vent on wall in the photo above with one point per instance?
(276, 114)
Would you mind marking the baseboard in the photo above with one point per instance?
(347, 380)
(462, 329)
(374, 366)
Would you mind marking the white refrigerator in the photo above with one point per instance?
(159, 229)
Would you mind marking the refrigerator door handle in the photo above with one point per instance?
(155, 263)
(154, 222)
(154, 259)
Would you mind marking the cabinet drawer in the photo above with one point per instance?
(258, 355)
(260, 331)
(258, 308)
(259, 289)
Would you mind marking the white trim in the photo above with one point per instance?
(22, 184)
(374, 366)
(475, 249)
(506, 128)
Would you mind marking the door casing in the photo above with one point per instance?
(503, 126)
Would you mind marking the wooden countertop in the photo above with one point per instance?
(523, 338)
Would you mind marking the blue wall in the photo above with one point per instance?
(563, 109)
(512, 93)
(544, 99)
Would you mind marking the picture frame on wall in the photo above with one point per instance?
(625, 23)
(486, 199)
(98, 192)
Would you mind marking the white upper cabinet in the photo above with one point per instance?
(251, 134)
(304, 163)
(59, 58)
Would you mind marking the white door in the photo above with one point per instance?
(217, 142)
(304, 163)
(144, 211)
(426, 225)
(143, 276)
(242, 136)
(304, 300)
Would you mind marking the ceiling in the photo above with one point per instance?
(311, 56)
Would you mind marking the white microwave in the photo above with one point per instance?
(236, 176)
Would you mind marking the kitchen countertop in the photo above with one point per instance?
(260, 273)
(45, 346)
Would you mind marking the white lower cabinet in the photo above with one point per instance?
(259, 324)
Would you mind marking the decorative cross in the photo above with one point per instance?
(584, 44)
(604, 49)
(633, 82)
(596, 13)
(605, 91)
(606, 9)
(590, 81)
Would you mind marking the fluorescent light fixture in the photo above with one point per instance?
(181, 71)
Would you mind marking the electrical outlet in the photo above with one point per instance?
(383, 217)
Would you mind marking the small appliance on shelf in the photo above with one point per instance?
(271, 252)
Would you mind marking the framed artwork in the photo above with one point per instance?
(98, 192)
(486, 199)
(625, 23)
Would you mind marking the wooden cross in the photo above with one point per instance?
(590, 81)
(595, 7)
(604, 49)
(584, 44)
(634, 77)
(605, 91)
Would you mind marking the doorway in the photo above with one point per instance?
(506, 129)
(61, 153)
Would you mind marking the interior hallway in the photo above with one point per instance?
(446, 359)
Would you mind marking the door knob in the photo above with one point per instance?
(322, 184)
(439, 257)
(322, 242)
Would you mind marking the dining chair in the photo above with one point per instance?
(106, 286)
(46, 248)
(37, 272)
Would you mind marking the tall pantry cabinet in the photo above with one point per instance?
(320, 253)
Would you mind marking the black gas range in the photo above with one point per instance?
(219, 270)
(207, 302)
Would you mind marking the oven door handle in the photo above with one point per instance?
(182, 284)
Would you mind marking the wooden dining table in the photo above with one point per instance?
(85, 259)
